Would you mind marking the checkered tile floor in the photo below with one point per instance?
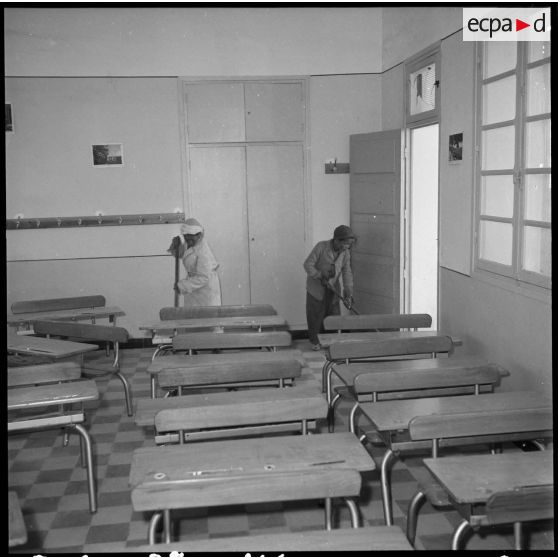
(52, 488)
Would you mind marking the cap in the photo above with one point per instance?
(342, 232)
(191, 226)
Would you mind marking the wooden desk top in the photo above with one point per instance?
(396, 415)
(210, 359)
(75, 314)
(327, 339)
(471, 479)
(208, 323)
(43, 346)
(26, 397)
(340, 450)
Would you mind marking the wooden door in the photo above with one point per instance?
(218, 201)
(375, 198)
(276, 228)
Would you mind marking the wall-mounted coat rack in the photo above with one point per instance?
(94, 221)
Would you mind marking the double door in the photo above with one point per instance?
(245, 149)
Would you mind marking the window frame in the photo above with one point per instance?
(514, 271)
(428, 56)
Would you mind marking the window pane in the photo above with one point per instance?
(498, 148)
(538, 90)
(498, 101)
(537, 144)
(422, 90)
(499, 57)
(537, 50)
(497, 196)
(537, 197)
(536, 250)
(496, 242)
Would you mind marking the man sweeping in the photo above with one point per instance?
(201, 286)
(328, 269)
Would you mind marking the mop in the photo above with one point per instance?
(174, 250)
(347, 303)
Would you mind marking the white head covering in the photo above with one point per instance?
(191, 226)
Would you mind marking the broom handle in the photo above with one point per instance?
(176, 278)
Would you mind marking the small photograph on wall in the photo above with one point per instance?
(455, 147)
(108, 155)
(9, 119)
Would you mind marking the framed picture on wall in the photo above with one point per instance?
(455, 148)
(107, 155)
(9, 118)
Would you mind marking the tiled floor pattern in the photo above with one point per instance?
(52, 489)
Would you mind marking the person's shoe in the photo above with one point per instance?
(316, 347)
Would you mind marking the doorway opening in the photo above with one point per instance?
(421, 223)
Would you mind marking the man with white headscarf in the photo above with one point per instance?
(201, 286)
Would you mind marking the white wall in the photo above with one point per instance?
(205, 41)
(408, 30)
(340, 106)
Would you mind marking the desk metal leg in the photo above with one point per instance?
(353, 509)
(127, 393)
(461, 529)
(327, 511)
(518, 535)
(412, 516)
(155, 518)
(389, 456)
(152, 386)
(89, 458)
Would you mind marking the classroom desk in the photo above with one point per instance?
(55, 349)
(230, 322)
(327, 339)
(470, 480)
(391, 420)
(74, 314)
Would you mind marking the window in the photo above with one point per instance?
(513, 191)
(422, 97)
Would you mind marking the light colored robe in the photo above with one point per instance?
(201, 286)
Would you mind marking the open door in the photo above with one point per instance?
(375, 182)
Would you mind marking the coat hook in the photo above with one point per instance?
(99, 220)
(38, 223)
(141, 219)
(58, 221)
(120, 220)
(17, 224)
(79, 221)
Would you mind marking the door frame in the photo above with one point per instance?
(406, 216)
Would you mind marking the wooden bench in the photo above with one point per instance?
(174, 313)
(78, 308)
(53, 404)
(377, 322)
(112, 336)
(371, 539)
(415, 347)
(236, 373)
(182, 361)
(416, 378)
(17, 531)
(486, 427)
(50, 304)
(247, 412)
